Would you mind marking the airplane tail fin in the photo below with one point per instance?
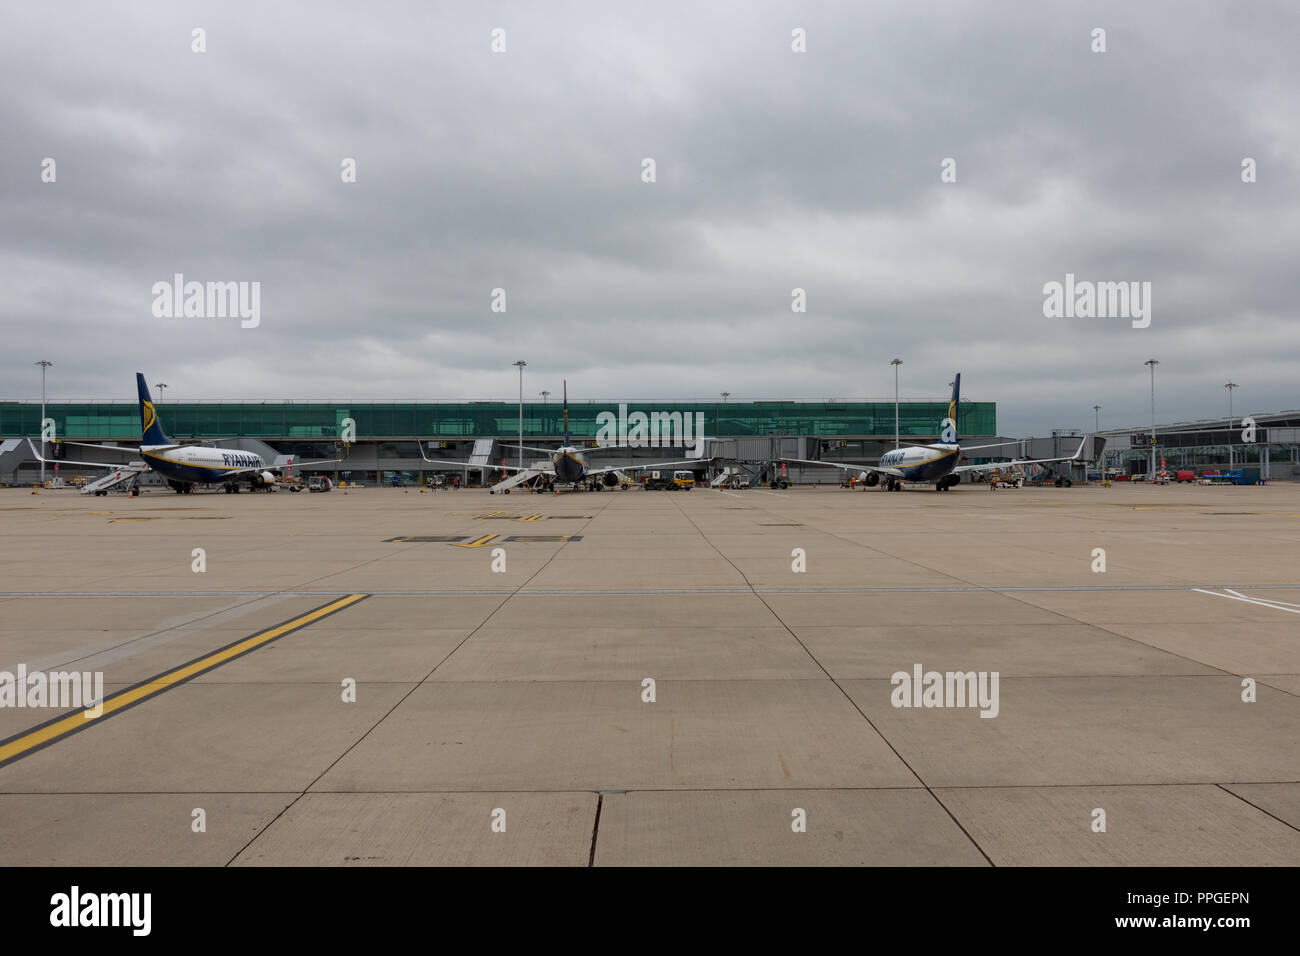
(151, 432)
(566, 413)
(948, 427)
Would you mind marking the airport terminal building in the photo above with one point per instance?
(1211, 444)
(378, 440)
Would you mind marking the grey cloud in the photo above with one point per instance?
(775, 170)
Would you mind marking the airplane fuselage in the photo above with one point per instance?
(569, 465)
(923, 462)
(201, 465)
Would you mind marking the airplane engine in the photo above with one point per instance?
(262, 479)
(610, 479)
(869, 478)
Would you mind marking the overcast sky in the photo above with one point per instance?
(775, 170)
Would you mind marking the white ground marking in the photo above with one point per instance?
(1234, 596)
(95, 656)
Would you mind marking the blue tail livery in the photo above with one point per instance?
(151, 432)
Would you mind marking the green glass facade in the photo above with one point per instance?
(437, 420)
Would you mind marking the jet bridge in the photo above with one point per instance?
(482, 451)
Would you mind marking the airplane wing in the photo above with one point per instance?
(892, 472)
(288, 465)
(488, 465)
(128, 449)
(299, 464)
(89, 464)
(652, 464)
(996, 444)
(962, 469)
(134, 449)
(545, 451)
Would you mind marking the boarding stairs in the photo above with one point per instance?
(121, 476)
(518, 478)
(724, 477)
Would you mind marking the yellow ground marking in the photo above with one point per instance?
(1284, 514)
(476, 543)
(1156, 507)
(28, 741)
(169, 518)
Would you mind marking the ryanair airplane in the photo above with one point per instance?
(939, 462)
(568, 466)
(187, 465)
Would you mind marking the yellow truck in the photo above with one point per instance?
(684, 480)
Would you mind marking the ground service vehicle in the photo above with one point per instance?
(658, 481)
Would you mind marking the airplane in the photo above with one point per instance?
(568, 465)
(937, 462)
(185, 465)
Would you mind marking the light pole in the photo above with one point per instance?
(896, 362)
(1096, 419)
(1230, 386)
(521, 363)
(1152, 363)
(44, 365)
